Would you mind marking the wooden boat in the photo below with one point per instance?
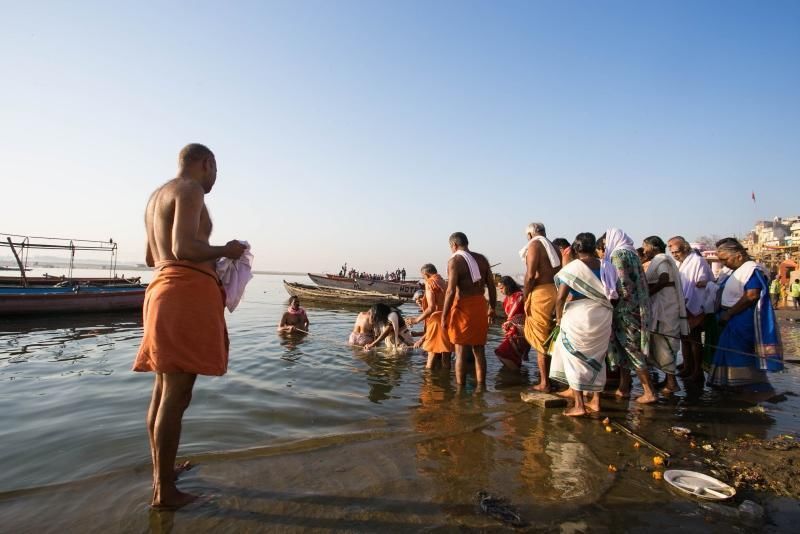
(387, 287)
(18, 301)
(68, 294)
(49, 280)
(332, 295)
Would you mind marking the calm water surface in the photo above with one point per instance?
(312, 434)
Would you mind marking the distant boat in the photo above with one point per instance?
(16, 269)
(48, 280)
(347, 297)
(18, 301)
(387, 287)
(21, 295)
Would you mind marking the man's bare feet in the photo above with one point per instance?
(575, 412)
(542, 386)
(594, 404)
(567, 393)
(622, 394)
(646, 398)
(176, 499)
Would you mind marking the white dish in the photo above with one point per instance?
(699, 485)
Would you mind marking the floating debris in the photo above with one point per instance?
(680, 431)
(612, 468)
(658, 475)
(500, 509)
(609, 429)
(658, 460)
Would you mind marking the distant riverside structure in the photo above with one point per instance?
(776, 243)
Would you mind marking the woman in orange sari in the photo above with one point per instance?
(514, 348)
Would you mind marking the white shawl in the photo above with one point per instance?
(616, 239)
(695, 269)
(474, 270)
(667, 306)
(552, 253)
(734, 287)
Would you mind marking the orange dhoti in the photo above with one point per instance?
(469, 321)
(184, 322)
(539, 316)
(436, 339)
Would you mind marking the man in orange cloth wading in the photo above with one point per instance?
(542, 262)
(184, 324)
(466, 315)
(435, 342)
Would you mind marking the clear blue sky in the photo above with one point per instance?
(369, 131)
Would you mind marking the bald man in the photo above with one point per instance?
(184, 324)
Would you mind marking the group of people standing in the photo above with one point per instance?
(591, 309)
(594, 306)
(398, 275)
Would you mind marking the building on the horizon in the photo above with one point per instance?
(769, 236)
(776, 243)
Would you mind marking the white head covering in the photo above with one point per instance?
(616, 239)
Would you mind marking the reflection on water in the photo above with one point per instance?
(307, 432)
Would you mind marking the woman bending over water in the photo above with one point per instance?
(392, 327)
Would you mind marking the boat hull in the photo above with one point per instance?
(50, 281)
(337, 296)
(398, 289)
(39, 301)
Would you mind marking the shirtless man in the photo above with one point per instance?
(184, 324)
(466, 315)
(542, 262)
(363, 331)
(294, 320)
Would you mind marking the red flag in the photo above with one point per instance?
(753, 195)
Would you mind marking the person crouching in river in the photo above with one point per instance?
(514, 347)
(392, 327)
(294, 320)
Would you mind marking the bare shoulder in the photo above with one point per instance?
(185, 188)
(481, 259)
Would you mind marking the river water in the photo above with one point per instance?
(312, 435)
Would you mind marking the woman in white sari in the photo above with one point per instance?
(584, 315)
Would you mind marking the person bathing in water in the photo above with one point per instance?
(392, 327)
(363, 330)
(294, 320)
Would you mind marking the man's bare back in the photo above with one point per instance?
(464, 284)
(166, 204)
(363, 324)
(540, 269)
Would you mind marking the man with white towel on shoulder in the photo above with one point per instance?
(542, 262)
(466, 315)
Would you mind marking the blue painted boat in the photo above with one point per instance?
(38, 295)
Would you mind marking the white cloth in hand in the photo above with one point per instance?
(234, 275)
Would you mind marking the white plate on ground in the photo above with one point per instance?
(699, 485)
